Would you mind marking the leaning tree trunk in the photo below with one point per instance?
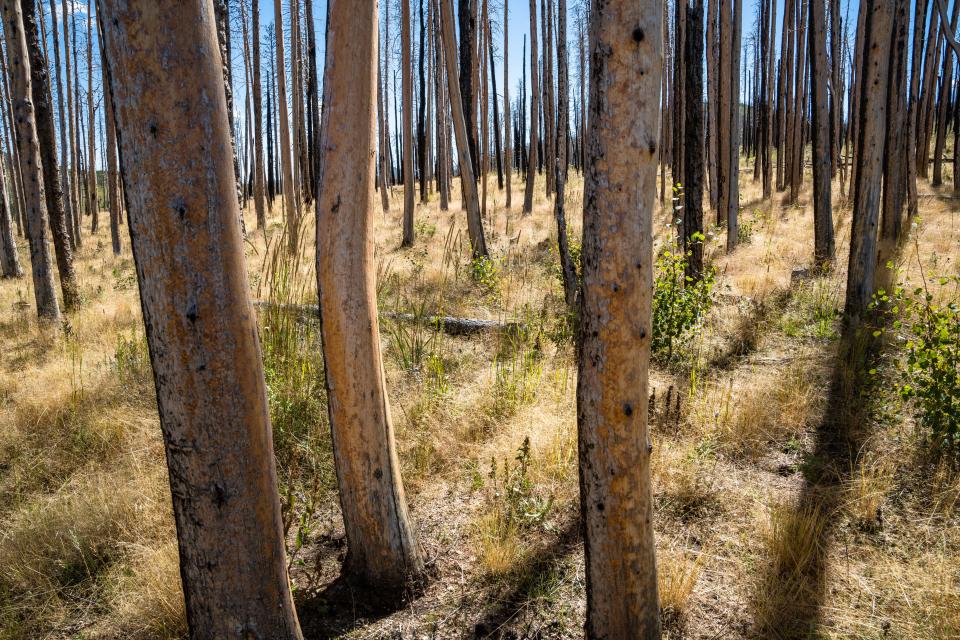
(871, 142)
(184, 222)
(614, 352)
(382, 549)
(46, 138)
(35, 213)
(408, 159)
(534, 113)
(692, 235)
(468, 183)
(822, 166)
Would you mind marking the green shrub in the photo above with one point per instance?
(679, 302)
(930, 366)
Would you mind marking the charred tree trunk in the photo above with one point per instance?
(823, 251)
(408, 158)
(290, 200)
(567, 268)
(692, 235)
(534, 113)
(507, 119)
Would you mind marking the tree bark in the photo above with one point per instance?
(534, 113)
(823, 251)
(259, 194)
(382, 550)
(91, 131)
(614, 351)
(65, 178)
(46, 138)
(567, 268)
(874, 80)
(408, 158)
(478, 243)
(290, 197)
(113, 181)
(35, 214)
(943, 106)
(468, 25)
(692, 232)
(201, 330)
(507, 119)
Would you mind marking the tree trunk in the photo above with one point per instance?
(46, 138)
(692, 234)
(9, 259)
(943, 108)
(113, 182)
(874, 80)
(614, 351)
(799, 95)
(784, 90)
(21, 92)
(422, 152)
(929, 90)
(507, 119)
(382, 550)
(534, 113)
(468, 24)
(408, 159)
(567, 268)
(201, 330)
(290, 200)
(65, 178)
(259, 195)
(488, 27)
(724, 110)
(91, 131)
(823, 251)
(920, 19)
(478, 244)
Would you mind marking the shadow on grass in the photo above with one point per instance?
(790, 592)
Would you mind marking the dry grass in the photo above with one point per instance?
(87, 547)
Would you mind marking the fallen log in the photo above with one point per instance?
(451, 325)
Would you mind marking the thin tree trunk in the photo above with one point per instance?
(534, 113)
(507, 119)
(478, 243)
(870, 142)
(65, 178)
(796, 126)
(614, 346)
(920, 19)
(21, 92)
(567, 268)
(713, 130)
(692, 234)
(113, 182)
(46, 139)
(408, 159)
(290, 200)
(259, 195)
(468, 24)
(943, 108)
(9, 258)
(91, 131)
(382, 549)
(823, 251)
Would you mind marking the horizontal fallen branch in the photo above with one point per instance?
(450, 325)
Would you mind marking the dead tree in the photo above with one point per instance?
(822, 208)
(408, 159)
(534, 113)
(201, 330)
(35, 213)
(692, 232)
(614, 346)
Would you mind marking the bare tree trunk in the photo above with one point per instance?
(290, 200)
(823, 251)
(188, 249)
(894, 168)
(725, 111)
(408, 158)
(713, 129)
(929, 91)
(443, 175)
(534, 113)
(478, 243)
(382, 549)
(46, 139)
(91, 131)
(484, 142)
(692, 234)
(383, 145)
(9, 259)
(614, 351)
(64, 158)
(113, 182)
(21, 92)
(796, 127)
(567, 268)
(313, 103)
(507, 120)
(943, 108)
(13, 154)
(259, 194)
(468, 25)
(733, 183)
(874, 81)
(549, 106)
(920, 19)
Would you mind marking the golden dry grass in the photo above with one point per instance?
(87, 547)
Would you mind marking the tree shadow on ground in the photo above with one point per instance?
(790, 592)
(520, 587)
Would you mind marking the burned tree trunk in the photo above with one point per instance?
(408, 159)
(534, 113)
(692, 234)
(822, 208)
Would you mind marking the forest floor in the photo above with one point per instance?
(763, 529)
